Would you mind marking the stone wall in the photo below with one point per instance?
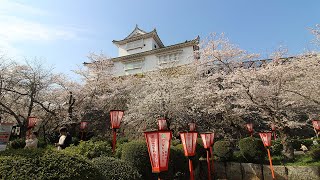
(250, 171)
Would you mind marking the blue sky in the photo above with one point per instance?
(64, 32)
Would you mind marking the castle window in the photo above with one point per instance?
(133, 67)
(169, 57)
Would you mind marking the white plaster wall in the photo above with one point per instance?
(151, 63)
(148, 45)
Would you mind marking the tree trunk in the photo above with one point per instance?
(288, 150)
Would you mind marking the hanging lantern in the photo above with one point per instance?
(83, 125)
(162, 124)
(316, 124)
(266, 138)
(192, 126)
(189, 142)
(158, 143)
(273, 127)
(250, 128)
(32, 121)
(115, 118)
(207, 139)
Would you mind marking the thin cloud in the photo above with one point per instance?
(17, 28)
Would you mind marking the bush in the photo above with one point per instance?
(115, 169)
(175, 142)
(252, 149)
(136, 154)
(17, 143)
(276, 148)
(90, 149)
(43, 164)
(179, 162)
(315, 153)
(223, 150)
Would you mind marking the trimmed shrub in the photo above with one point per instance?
(43, 164)
(90, 149)
(276, 148)
(115, 169)
(136, 154)
(223, 150)
(178, 162)
(252, 149)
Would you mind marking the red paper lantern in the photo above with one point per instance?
(316, 124)
(158, 143)
(189, 142)
(249, 127)
(207, 139)
(266, 138)
(162, 124)
(115, 118)
(83, 125)
(192, 126)
(273, 127)
(32, 121)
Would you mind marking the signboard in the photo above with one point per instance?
(159, 149)
(5, 132)
(266, 138)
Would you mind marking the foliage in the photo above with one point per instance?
(223, 150)
(18, 143)
(315, 153)
(136, 154)
(44, 164)
(115, 169)
(90, 149)
(276, 148)
(178, 160)
(252, 149)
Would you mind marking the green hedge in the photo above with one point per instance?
(223, 150)
(252, 149)
(45, 164)
(90, 149)
(136, 154)
(115, 169)
(276, 148)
